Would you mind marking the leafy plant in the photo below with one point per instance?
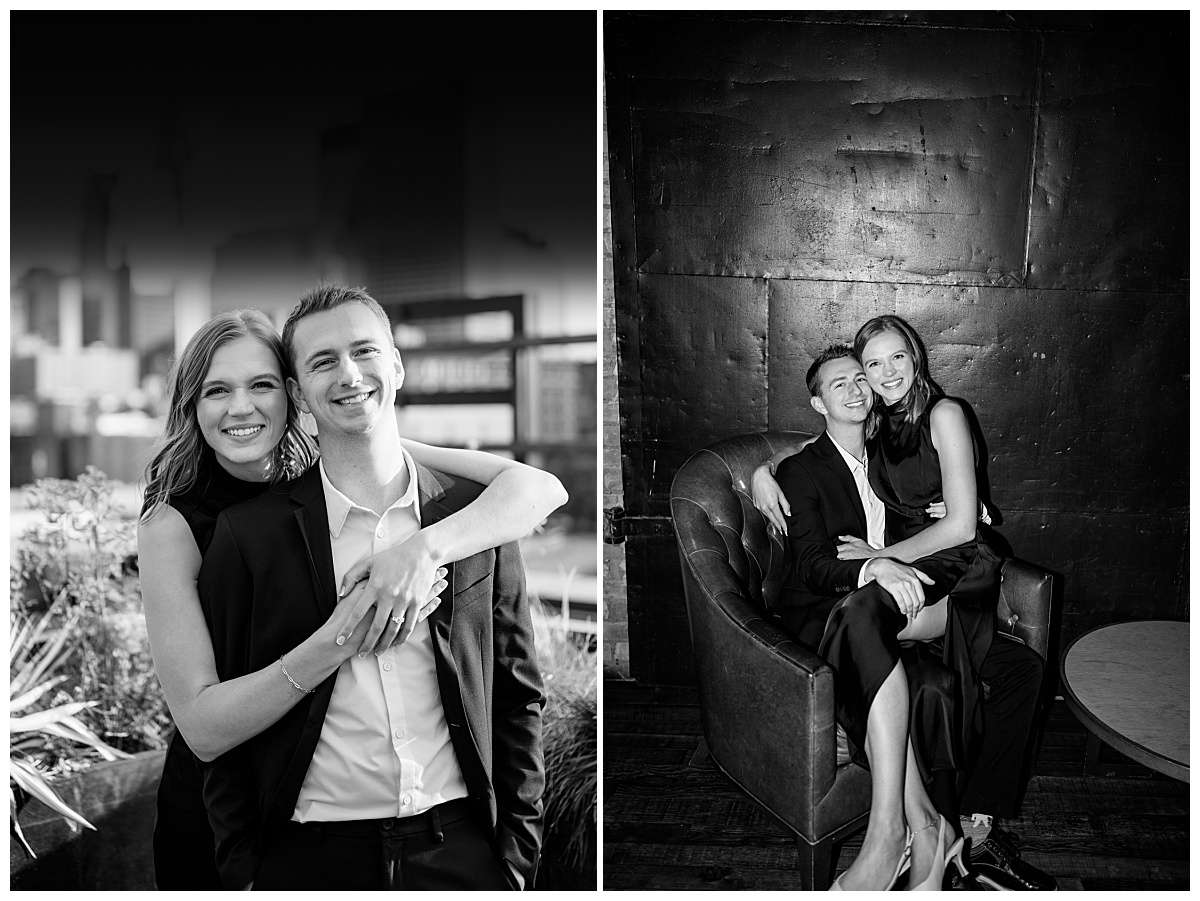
(569, 733)
(77, 644)
(81, 547)
(80, 557)
(38, 653)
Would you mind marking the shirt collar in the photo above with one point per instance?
(852, 461)
(338, 506)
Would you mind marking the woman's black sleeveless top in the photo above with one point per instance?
(183, 840)
(215, 489)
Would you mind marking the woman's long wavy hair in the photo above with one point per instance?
(923, 389)
(176, 465)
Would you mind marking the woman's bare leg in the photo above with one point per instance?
(919, 810)
(887, 739)
(930, 623)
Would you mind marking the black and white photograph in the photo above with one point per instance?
(303, 412)
(895, 428)
(599, 450)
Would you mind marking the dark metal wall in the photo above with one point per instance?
(1014, 185)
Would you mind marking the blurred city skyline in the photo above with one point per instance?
(224, 139)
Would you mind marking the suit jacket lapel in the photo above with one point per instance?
(313, 518)
(441, 629)
(844, 478)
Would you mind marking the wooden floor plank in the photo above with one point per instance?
(632, 694)
(700, 854)
(1133, 885)
(643, 877)
(670, 720)
(673, 821)
(630, 745)
(1163, 874)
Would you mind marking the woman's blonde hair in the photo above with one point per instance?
(176, 465)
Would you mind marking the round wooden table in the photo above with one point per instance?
(1128, 684)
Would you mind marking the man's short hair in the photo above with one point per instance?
(833, 352)
(320, 299)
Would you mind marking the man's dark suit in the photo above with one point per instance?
(824, 500)
(267, 583)
(825, 504)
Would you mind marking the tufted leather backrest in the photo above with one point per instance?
(711, 494)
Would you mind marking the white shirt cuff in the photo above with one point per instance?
(862, 574)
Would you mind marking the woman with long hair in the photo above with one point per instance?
(925, 454)
(231, 432)
(921, 457)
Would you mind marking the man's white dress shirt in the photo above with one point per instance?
(872, 506)
(385, 748)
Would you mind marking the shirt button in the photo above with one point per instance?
(380, 532)
(407, 799)
(399, 733)
(387, 667)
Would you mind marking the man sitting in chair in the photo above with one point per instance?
(822, 498)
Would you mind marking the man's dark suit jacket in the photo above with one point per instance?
(267, 583)
(825, 504)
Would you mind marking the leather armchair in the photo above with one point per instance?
(767, 701)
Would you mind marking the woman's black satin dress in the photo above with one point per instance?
(946, 716)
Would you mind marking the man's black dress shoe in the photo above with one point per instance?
(996, 864)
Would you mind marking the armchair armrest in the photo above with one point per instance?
(1026, 593)
(767, 702)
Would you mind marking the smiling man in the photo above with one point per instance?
(416, 768)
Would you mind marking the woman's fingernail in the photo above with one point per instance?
(341, 640)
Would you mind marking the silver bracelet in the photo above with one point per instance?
(295, 684)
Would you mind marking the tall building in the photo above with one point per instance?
(75, 353)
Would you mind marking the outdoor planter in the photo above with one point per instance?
(118, 798)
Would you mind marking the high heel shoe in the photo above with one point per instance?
(905, 860)
(901, 866)
(933, 882)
